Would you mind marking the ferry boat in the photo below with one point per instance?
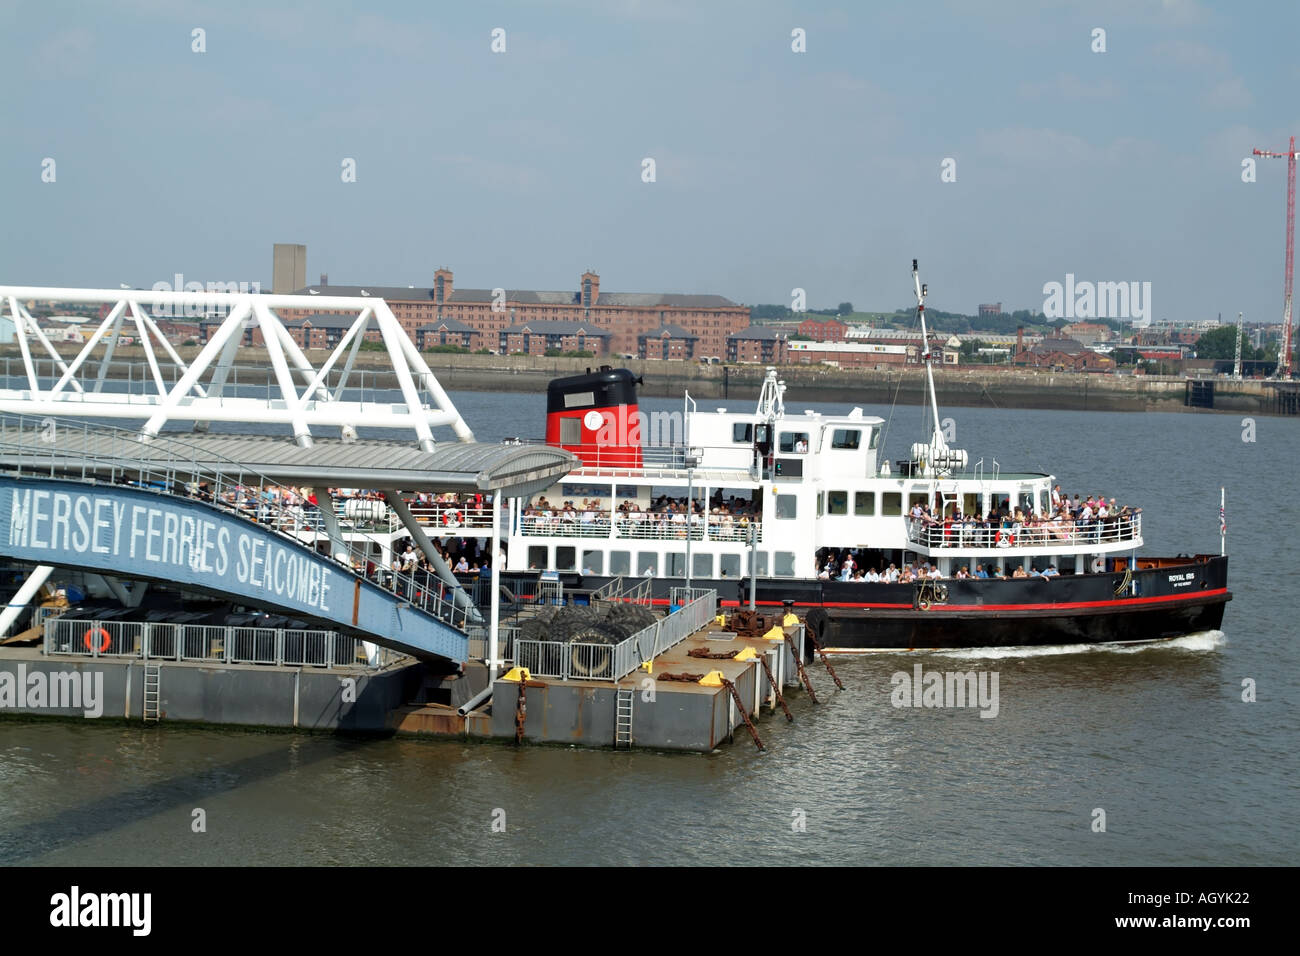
(773, 494)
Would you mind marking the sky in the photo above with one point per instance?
(774, 169)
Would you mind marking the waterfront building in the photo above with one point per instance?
(1063, 353)
(852, 354)
(1088, 333)
(288, 267)
(757, 344)
(626, 316)
(667, 342)
(830, 330)
(538, 338)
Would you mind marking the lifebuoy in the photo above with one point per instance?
(85, 639)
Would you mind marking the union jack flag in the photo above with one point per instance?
(1223, 522)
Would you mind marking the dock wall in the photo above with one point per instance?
(962, 386)
(259, 696)
(678, 718)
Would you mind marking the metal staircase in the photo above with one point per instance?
(623, 718)
(152, 692)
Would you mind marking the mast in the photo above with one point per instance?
(935, 457)
(936, 438)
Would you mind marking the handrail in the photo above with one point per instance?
(181, 467)
(1109, 530)
(649, 528)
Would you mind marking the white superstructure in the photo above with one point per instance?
(790, 487)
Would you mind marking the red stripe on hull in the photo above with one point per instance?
(1072, 605)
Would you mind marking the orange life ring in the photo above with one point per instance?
(85, 639)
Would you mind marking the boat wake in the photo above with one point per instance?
(1200, 641)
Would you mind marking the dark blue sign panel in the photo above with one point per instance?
(141, 534)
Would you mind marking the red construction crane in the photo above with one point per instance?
(1284, 358)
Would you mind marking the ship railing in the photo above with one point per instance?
(149, 640)
(609, 590)
(638, 592)
(633, 454)
(682, 596)
(479, 640)
(1119, 529)
(450, 517)
(559, 660)
(650, 528)
(58, 448)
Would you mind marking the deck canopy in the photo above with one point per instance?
(515, 470)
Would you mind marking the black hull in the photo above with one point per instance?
(1153, 604)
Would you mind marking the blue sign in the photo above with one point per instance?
(141, 534)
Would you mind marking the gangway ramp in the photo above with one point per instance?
(98, 499)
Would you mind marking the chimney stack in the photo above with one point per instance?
(1020, 339)
(324, 278)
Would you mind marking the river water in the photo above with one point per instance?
(1157, 737)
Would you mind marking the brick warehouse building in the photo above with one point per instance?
(627, 316)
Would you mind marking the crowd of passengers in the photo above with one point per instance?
(290, 504)
(1093, 518)
(410, 572)
(843, 566)
(665, 517)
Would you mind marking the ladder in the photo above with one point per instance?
(152, 682)
(623, 718)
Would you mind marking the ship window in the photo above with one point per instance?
(579, 399)
(787, 506)
(676, 564)
(537, 560)
(821, 498)
(846, 438)
(760, 563)
(647, 560)
(730, 564)
(837, 502)
(785, 564)
(864, 503)
(620, 562)
(742, 433)
(565, 558)
(892, 506)
(970, 504)
(702, 565)
(794, 443)
(570, 431)
(593, 562)
(875, 439)
(917, 498)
